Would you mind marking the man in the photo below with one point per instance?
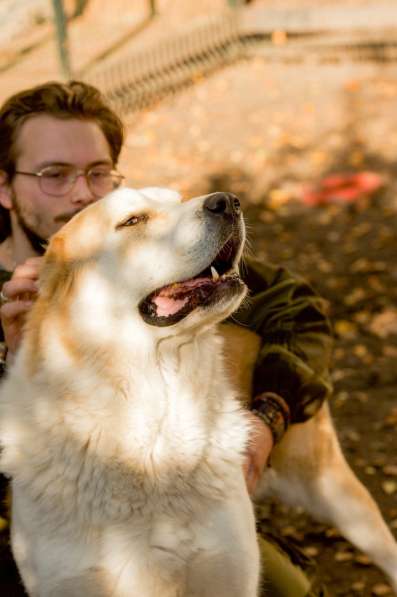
(59, 147)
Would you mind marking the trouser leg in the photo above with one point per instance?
(282, 578)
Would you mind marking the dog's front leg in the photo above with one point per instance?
(227, 561)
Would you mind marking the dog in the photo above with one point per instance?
(120, 424)
(121, 434)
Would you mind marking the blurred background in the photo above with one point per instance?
(291, 104)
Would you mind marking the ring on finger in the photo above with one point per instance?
(3, 298)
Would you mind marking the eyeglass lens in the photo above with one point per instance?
(59, 180)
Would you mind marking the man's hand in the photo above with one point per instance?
(259, 449)
(21, 292)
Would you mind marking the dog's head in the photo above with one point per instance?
(167, 261)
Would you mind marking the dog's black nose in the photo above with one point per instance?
(223, 204)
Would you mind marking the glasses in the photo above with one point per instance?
(59, 180)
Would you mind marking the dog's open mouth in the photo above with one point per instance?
(171, 303)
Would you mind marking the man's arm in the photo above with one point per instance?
(293, 363)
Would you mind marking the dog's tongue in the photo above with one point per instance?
(167, 306)
(173, 298)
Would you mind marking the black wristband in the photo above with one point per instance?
(274, 411)
(3, 359)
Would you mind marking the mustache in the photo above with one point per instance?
(66, 216)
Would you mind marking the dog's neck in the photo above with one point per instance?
(151, 419)
(132, 376)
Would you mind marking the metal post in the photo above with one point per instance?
(62, 38)
(79, 8)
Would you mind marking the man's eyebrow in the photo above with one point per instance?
(46, 164)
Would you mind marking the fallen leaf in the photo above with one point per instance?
(355, 296)
(381, 589)
(361, 229)
(390, 351)
(291, 531)
(339, 353)
(278, 198)
(389, 487)
(360, 350)
(345, 329)
(332, 533)
(385, 323)
(390, 469)
(362, 559)
(267, 217)
(279, 38)
(352, 86)
(362, 317)
(361, 397)
(311, 551)
(352, 435)
(343, 556)
(325, 266)
(391, 418)
(375, 284)
(360, 265)
(356, 158)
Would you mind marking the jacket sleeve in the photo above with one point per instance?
(296, 338)
(4, 277)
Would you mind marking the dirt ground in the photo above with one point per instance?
(266, 133)
(348, 253)
(269, 132)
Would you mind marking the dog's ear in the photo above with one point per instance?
(58, 273)
(56, 250)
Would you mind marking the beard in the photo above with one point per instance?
(37, 242)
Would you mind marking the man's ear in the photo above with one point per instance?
(5, 191)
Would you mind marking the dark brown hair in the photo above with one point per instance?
(74, 99)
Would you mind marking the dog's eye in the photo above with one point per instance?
(133, 220)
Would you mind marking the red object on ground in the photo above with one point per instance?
(343, 188)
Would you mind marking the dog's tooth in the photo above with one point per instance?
(215, 275)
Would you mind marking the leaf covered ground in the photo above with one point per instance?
(273, 134)
(348, 253)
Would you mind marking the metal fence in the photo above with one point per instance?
(143, 77)
(323, 34)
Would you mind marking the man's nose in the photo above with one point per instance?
(223, 204)
(81, 193)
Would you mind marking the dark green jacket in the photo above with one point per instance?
(296, 337)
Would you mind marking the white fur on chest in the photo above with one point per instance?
(172, 430)
(145, 482)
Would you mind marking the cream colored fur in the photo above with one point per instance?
(125, 441)
(308, 468)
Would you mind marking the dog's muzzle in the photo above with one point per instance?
(219, 281)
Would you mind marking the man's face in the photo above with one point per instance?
(45, 140)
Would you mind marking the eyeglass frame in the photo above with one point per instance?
(77, 172)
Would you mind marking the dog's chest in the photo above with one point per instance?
(108, 458)
(114, 477)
